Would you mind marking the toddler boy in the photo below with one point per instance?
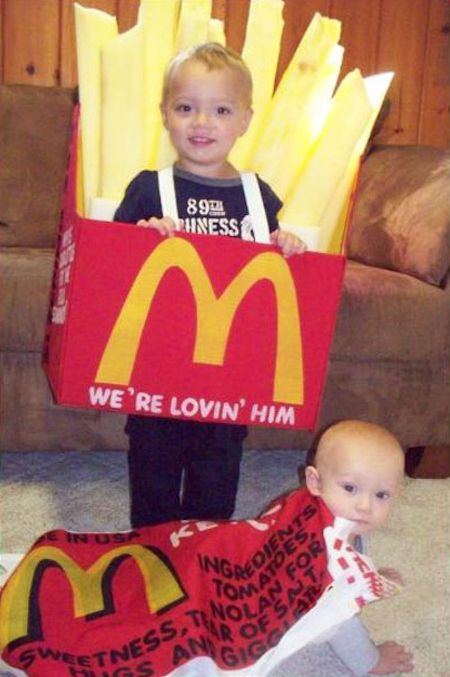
(186, 469)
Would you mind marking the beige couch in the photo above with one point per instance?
(390, 359)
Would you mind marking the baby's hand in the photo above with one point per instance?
(166, 225)
(392, 575)
(287, 242)
(393, 658)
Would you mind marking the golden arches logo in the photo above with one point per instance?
(214, 315)
(91, 587)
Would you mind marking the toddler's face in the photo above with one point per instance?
(205, 111)
(359, 482)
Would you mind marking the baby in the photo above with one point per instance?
(357, 471)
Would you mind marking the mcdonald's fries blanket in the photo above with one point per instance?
(194, 327)
(185, 598)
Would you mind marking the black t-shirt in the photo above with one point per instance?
(207, 206)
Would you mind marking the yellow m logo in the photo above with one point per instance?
(92, 587)
(214, 315)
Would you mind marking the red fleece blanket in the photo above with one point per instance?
(184, 598)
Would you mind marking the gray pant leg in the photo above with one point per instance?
(352, 644)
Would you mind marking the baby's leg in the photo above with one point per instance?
(352, 644)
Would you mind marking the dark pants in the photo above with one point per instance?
(183, 470)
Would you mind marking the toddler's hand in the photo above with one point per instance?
(393, 658)
(165, 225)
(287, 242)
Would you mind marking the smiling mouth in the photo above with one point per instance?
(200, 140)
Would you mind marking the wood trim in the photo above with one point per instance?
(127, 12)
(402, 42)
(236, 22)
(360, 30)
(434, 127)
(31, 42)
(410, 37)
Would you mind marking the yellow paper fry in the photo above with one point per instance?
(193, 25)
(159, 20)
(193, 28)
(349, 115)
(216, 31)
(260, 53)
(303, 125)
(299, 104)
(122, 112)
(334, 219)
(376, 88)
(94, 29)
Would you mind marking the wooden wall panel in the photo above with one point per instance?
(219, 9)
(360, 28)
(402, 47)
(127, 11)
(1, 41)
(31, 42)
(411, 37)
(434, 128)
(69, 76)
(235, 22)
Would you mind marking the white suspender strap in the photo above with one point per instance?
(167, 194)
(255, 207)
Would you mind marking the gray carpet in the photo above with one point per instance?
(88, 492)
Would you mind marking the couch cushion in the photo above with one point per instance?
(35, 126)
(25, 281)
(402, 212)
(31, 421)
(389, 316)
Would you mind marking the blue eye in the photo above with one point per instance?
(383, 495)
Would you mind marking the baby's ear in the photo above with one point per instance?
(312, 479)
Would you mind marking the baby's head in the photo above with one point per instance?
(212, 57)
(357, 470)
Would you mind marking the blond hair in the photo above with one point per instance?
(215, 57)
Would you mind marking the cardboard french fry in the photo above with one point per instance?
(193, 25)
(303, 126)
(94, 29)
(193, 29)
(216, 31)
(123, 150)
(335, 218)
(160, 23)
(309, 199)
(260, 53)
(303, 90)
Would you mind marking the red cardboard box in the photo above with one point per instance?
(193, 327)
